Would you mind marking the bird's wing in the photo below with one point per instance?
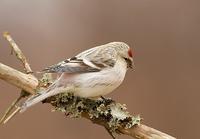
(72, 65)
(92, 60)
(102, 56)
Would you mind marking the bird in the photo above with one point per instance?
(92, 73)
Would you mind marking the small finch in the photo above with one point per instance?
(90, 74)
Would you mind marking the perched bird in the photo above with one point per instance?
(92, 73)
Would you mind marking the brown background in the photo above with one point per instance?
(164, 88)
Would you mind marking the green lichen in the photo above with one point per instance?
(112, 115)
(45, 81)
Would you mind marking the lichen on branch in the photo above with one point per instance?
(106, 111)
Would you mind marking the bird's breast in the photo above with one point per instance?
(96, 84)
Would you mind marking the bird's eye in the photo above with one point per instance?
(129, 62)
(126, 59)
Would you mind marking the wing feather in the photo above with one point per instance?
(73, 66)
(91, 60)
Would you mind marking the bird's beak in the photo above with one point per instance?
(130, 64)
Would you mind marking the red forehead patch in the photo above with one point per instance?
(130, 53)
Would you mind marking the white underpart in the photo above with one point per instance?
(96, 84)
(92, 84)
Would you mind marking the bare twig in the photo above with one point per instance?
(26, 82)
(145, 132)
(6, 116)
(10, 108)
(11, 115)
(18, 79)
(27, 69)
(18, 52)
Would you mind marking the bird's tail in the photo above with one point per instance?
(51, 91)
(34, 100)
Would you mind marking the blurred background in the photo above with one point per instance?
(164, 87)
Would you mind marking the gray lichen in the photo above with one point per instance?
(104, 111)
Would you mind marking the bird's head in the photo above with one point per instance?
(128, 57)
(125, 52)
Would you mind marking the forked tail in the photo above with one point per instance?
(34, 100)
(38, 97)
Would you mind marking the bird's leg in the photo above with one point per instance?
(107, 101)
(67, 114)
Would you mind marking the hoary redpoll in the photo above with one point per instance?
(92, 73)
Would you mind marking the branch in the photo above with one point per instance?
(145, 132)
(26, 82)
(18, 52)
(6, 117)
(29, 83)
(106, 112)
